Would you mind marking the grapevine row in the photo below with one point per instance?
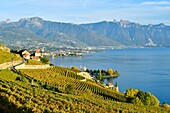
(53, 76)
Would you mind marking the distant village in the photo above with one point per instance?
(36, 53)
(26, 54)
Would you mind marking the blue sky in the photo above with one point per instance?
(88, 11)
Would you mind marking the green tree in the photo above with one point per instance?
(44, 60)
(139, 97)
(101, 77)
(147, 98)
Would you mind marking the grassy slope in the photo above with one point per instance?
(33, 62)
(19, 96)
(62, 77)
(8, 57)
(8, 75)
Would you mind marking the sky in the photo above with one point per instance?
(88, 11)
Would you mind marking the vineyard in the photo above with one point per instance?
(61, 78)
(18, 96)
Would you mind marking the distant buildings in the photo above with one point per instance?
(36, 55)
(113, 87)
(27, 55)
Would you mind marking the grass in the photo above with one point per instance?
(34, 62)
(8, 57)
(8, 75)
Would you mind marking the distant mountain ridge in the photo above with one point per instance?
(130, 33)
(37, 31)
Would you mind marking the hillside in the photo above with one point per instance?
(20, 38)
(4, 48)
(6, 56)
(61, 34)
(60, 90)
(38, 32)
(131, 33)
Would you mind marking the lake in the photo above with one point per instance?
(147, 69)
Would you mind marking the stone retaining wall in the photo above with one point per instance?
(23, 66)
(9, 64)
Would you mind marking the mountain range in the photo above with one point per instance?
(30, 32)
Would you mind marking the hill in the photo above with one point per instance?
(4, 48)
(131, 33)
(6, 56)
(61, 34)
(39, 32)
(60, 90)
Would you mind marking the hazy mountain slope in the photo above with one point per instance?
(62, 33)
(116, 33)
(73, 32)
(130, 33)
(17, 36)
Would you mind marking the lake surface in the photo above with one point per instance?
(147, 69)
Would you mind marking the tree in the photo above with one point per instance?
(110, 71)
(101, 77)
(139, 97)
(74, 68)
(44, 60)
(131, 93)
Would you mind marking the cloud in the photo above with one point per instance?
(77, 11)
(157, 3)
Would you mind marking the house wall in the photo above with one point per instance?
(38, 54)
(25, 52)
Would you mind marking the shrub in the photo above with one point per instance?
(138, 97)
(33, 62)
(69, 89)
(74, 68)
(131, 93)
(110, 71)
(166, 105)
(44, 60)
(21, 78)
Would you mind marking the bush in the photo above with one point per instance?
(166, 105)
(21, 78)
(110, 71)
(44, 60)
(69, 89)
(131, 93)
(139, 97)
(74, 68)
(33, 62)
